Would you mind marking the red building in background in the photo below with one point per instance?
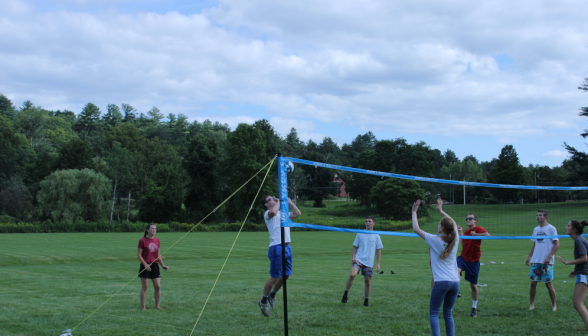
(342, 182)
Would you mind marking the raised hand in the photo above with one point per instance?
(416, 205)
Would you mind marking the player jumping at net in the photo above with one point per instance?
(275, 282)
(575, 229)
(443, 251)
(362, 259)
(469, 260)
(541, 258)
(149, 255)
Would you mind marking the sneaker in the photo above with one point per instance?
(271, 301)
(365, 303)
(263, 307)
(459, 294)
(474, 312)
(344, 299)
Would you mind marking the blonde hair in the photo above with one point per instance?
(448, 227)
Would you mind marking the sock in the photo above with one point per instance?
(273, 293)
(474, 304)
(345, 294)
(264, 299)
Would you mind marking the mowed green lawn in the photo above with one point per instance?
(51, 282)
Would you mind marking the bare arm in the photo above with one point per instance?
(440, 207)
(161, 260)
(353, 252)
(415, 221)
(379, 255)
(274, 210)
(582, 260)
(140, 257)
(530, 254)
(295, 213)
(553, 250)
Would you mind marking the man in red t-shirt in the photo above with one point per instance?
(469, 260)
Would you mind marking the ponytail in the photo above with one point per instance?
(147, 229)
(448, 226)
(579, 226)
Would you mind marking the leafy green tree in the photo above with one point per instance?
(359, 186)
(6, 107)
(249, 148)
(465, 171)
(508, 170)
(155, 115)
(66, 115)
(163, 195)
(113, 116)
(319, 181)
(579, 174)
(119, 169)
(153, 153)
(128, 135)
(360, 144)
(450, 157)
(203, 166)
(72, 194)
(393, 198)
(15, 153)
(31, 122)
(16, 200)
(129, 113)
(89, 119)
(291, 145)
(76, 154)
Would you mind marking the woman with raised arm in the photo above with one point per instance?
(575, 229)
(443, 251)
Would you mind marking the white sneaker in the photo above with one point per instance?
(271, 301)
(264, 309)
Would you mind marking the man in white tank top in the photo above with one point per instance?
(272, 220)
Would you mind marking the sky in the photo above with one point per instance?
(460, 75)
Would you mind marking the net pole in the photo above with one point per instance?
(284, 214)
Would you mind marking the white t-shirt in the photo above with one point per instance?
(443, 270)
(367, 244)
(543, 246)
(273, 226)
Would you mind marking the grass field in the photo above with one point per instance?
(51, 282)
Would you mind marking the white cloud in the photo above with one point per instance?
(409, 67)
(556, 154)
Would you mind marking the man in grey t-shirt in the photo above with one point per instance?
(362, 259)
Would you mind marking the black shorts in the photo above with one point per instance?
(154, 273)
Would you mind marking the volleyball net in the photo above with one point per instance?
(339, 198)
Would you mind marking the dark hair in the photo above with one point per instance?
(263, 202)
(147, 228)
(372, 217)
(475, 216)
(448, 226)
(544, 212)
(578, 226)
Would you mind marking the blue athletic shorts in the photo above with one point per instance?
(472, 269)
(275, 256)
(541, 272)
(582, 278)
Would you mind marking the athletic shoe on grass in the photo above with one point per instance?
(271, 301)
(264, 308)
(474, 312)
(344, 299)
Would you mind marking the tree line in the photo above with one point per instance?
(98, 165)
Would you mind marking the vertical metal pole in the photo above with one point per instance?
(464, 194)
(284, 214)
